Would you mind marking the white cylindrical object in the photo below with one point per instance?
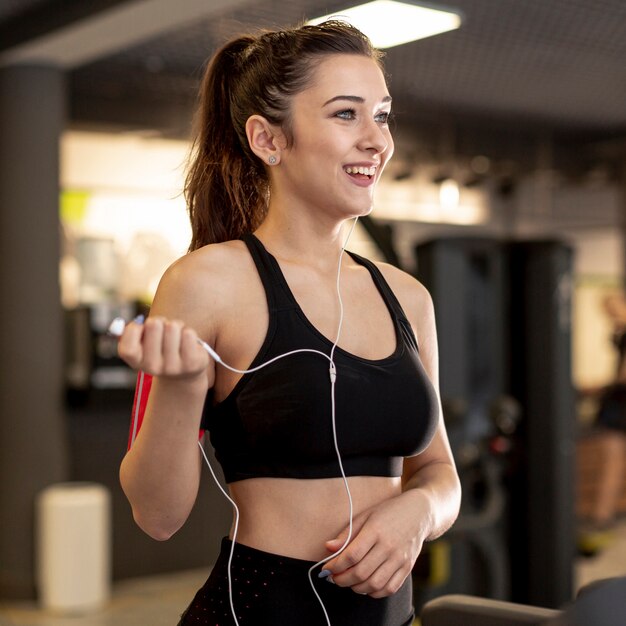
(73, 547)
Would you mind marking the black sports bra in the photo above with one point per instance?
(277, 422)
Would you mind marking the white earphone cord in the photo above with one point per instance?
(333, 377)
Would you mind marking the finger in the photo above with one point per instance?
(193, 356)
(361, 542)
(372, 575)
(361, 573)
(152, 361)
(335, 544)
(341, 567)
(129, 346)
(391, 586)
(172, 331)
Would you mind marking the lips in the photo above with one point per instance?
(361, 174)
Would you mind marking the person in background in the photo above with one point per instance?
(610, 431)
(615, 307)
(293, 135)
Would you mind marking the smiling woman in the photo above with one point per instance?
(322, 404)
(339, 140)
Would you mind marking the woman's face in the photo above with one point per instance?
(340, 138)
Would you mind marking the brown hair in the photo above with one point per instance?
(227, 186)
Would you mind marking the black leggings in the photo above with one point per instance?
(273, 590)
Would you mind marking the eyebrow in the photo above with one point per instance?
(357, 99)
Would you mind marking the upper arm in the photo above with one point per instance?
(185, 293)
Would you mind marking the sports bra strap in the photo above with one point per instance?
(280, 297)
(382, 285)
(277, 298)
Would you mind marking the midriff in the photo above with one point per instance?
(294, 517)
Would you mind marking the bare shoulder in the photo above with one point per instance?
(411, 293)
(196, 285)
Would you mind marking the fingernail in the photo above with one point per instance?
(139, 319)
(324, 573)
(330, 579)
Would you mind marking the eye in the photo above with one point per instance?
(383, 117)
(346, 114)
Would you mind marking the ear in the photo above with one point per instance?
(266, 140)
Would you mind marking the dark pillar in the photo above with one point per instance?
(32, 425)
(542, 532)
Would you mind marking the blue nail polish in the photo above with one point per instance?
(139, 319)
(324, 573)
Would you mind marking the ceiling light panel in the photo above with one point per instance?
(389, 23)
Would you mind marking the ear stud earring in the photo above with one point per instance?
(271, 160)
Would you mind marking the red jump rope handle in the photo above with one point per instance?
(142, 391)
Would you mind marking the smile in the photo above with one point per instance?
(367, 171)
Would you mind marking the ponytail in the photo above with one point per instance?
(226, 187)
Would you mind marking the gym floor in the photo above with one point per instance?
(154, 601)
(159, 600)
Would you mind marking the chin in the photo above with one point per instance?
(365, 211)
(352, 207)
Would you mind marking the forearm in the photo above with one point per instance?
(160, 474)
(435, 491)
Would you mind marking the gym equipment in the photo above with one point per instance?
(601, 603)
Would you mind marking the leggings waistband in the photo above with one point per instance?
(281, 564)
(271, 589)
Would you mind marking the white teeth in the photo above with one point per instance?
(368, 171)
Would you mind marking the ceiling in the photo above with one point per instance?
(519, 75)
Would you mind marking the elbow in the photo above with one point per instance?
(452, 507)
(458, 494)
(147, 516)
(449, 500)
(159, 530)
(159, 534)
(455, 494)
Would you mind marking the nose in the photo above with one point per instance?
(375, 138)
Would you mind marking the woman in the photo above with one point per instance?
(293, 137)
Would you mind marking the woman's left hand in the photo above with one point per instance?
(386, 541)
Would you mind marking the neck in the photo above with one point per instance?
(308, 240)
